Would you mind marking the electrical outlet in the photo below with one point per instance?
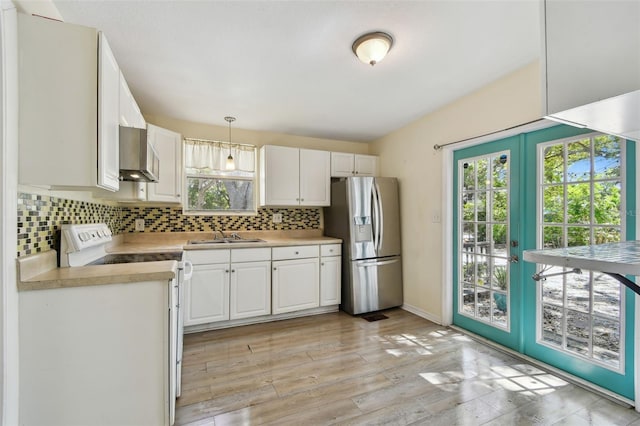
(140, 225)
(435, 217)
(277, 218)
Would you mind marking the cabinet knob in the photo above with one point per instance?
(356, 172)
(233, 270)
(177, 195)
(274, 268)
(226, 271)
(297, 252)
(330, 250)
(301, 199)
(322, 264)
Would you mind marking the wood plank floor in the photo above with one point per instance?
(404, 370)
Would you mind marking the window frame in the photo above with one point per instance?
(540, 186)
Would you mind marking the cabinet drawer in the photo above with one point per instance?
(250, 254)
(200, 257)
(331, 250)
(295, 252)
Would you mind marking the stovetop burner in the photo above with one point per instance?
(111, 259)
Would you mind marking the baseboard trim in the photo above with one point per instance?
(421, 313)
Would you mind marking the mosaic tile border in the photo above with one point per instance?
(171, 219)
(40, 218)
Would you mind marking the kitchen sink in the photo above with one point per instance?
(226, 241)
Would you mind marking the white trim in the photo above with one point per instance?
(447, 237)
(9, 342)
(422, 314)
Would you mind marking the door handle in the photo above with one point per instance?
(514, 258)
(376, 263)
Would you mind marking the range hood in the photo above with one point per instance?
(139, 162)
(618, 116)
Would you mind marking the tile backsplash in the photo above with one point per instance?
(40, 218)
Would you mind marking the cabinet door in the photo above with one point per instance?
(130, 115)
(342, 164)
(108, 117)
(296, 285)
(207, 295)
(366, 165)
(279, 176)
(330, 281)
(250, 293)
(168, 145)
(315, 178)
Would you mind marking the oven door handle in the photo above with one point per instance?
(188, 270)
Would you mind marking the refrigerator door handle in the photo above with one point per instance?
(376, 263)
(374, 217)
(380, 216)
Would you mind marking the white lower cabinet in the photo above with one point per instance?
(250, 289)
(330, 288)
(207, 294)
(296, 285)
(236, 284)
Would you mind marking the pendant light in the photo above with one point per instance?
(371, 48)
(231, 165)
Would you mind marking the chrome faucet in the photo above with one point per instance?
(221, 233)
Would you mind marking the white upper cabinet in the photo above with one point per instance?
(130, 115)
(168, 145)
(345, 164)
(315, 178)
(108, 117)
(591, 64)
(294, 177)
(69, 106)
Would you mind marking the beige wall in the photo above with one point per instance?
(190, 129)
(409, 155)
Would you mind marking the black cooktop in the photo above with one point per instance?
(111, 259)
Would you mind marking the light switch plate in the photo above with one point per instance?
(140, 225)
(277, 218)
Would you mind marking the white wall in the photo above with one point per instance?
(409, 155)
(9, 355)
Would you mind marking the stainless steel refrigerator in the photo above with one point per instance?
(365, 213)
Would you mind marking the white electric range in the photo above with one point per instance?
(85, 244)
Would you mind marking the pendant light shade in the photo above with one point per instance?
(371, 48)
(231, 164)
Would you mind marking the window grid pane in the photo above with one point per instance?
(581, 201)
(483, 269)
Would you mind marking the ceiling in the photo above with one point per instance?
(287, 66)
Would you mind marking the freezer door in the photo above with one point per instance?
(374, 284)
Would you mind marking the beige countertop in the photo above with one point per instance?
(40, 271)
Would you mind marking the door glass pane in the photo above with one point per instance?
(483, 266)
(554, 164)
(607, 156)
(581, 189)
(578, 160)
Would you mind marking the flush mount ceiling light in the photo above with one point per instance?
(371, 48)
(231, 165)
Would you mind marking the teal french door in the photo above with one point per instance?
(555, 187)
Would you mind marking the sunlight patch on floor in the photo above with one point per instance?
(520, 378)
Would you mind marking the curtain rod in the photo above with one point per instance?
(438, 147)
(209, 140)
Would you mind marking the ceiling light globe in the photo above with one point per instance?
(371, 48)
